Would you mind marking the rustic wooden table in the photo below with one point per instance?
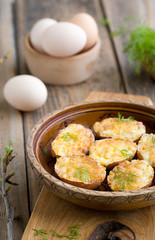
(113, 74)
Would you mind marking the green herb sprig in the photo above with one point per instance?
(69, 136)
(140, 45)
(40, 232)
(73, 232)
(124, 178)
(125, 152)
(121, 118)
(82, 173)
(104, 22)
(153, 142)
(45, 150)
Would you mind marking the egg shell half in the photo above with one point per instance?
(63, 39)
(25, 92)
(88, 24)
(38, 30)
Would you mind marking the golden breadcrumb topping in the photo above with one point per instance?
(130, 176)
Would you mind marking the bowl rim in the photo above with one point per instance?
(76, 56)
(69, 187)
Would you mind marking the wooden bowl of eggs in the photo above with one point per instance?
(97, 154)
(63, 53)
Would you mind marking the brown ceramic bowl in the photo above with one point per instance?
(61, 71)
(87, 113)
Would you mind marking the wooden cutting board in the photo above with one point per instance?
(52, 212)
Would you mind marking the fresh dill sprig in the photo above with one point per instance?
(69, 236)
(140, 45)
(105, 22)
(125, 152)
(121, 118)
(82, 173)
(122, 30)
(44, 238)
(73, 232)
(45, 150)
(130, 18)
(69, 136)
(40, 232)
(124, 178)
(74, 229)
(153, 142)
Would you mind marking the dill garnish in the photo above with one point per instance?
(153, 142)
(124, 178)
(69, 136)
(121, 118)
(104, 22)
(45, 150)
(82, 173)
(140, 44)
(125, 152)
(73, 232)
(40, 232)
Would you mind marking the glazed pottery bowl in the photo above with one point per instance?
(86, 114)
(61, 71)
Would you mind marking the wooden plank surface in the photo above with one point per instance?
(28, 13)
(50, 209)
(120, 96)
(16, 19)
(11, 128)
(116, 12)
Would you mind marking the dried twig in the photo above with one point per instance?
(4, 187)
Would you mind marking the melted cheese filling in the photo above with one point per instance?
(108, 151)
(146, 147)
(143, 171)
(111, 127)
(73, 140)
(72, 168)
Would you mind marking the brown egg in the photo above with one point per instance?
(89, 25)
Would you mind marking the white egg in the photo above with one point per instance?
(63, 39)
(25, 92)
(38, 30)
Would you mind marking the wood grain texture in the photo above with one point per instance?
(49, 216)
(28, 12)
(113, 96)
(59, 214)
(116, 12)
(11, 128)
